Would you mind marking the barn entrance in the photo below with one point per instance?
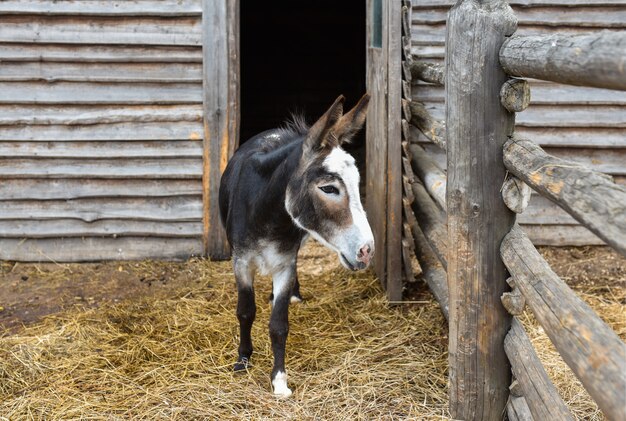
(299, 56)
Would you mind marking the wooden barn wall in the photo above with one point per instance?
(586, 125)
(100, 130)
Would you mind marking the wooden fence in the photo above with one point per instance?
(462, 226)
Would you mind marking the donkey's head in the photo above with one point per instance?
(323, 196)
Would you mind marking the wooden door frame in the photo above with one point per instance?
(221, 110)
(384, 145)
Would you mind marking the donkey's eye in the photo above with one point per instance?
(329, 189)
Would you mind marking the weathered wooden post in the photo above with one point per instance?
(477, 127)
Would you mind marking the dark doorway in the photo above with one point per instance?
(298, 56)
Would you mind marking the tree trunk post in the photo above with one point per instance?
(477, 128)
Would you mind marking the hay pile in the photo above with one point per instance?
(349, 355)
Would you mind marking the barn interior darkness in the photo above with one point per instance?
(298, 56)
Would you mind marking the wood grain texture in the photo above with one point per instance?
(591, 198)
(101, 168)
(517, 409)
(431, 221)
(97, 114)
(428, 72)
(516, 194)
(29, 52)
(178, 209)
(433, 129)
(97, 150)
(433, 179)
(55, 228)
(394, 150)
(515, 95)
(476, 127)
(102, 8)
(184, 31)
(587, 60)
(219, 133)
(95, 249)
(417, 4)
(182, 131)
(376, 151)
(562, 235)
(51, 72)
(541, 396)
(432, 271)
(99, 93)
(592, 350)
(47, 189)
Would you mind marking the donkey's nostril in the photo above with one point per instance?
(364, 254)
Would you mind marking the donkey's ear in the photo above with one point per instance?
(351, 123)
(320, 135)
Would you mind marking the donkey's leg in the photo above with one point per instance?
(295, 291)
(279, 327)
(246, 311)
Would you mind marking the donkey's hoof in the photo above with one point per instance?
(280, 385)
(242, 364)
(296, 298)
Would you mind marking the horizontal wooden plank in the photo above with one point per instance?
(98, 150)
(583, 116)
(575, 137)
(101, 30)
(101, 72)
(583, 17)
(609, 161)
(47, 189)
(431, 36)
(180, 209)
(561, 235)
(55, 228)
(10, 52)
(99, 93)
(599, 138)
(541, 93)
(177, 130)
(101, 168)
(76, 115)
(419, 4)
(103, 7)
(96, 249)
(542, 211)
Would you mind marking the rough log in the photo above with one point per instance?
(516, 194)
(513, 301)
(591, 198)
(433, 129)
(476, 126)
(593, 351)
(432, 271)
(595, 59)
(517, 409)
(431, 221)
(541, 396)
(515, 95)
(428, 72)
(431, 175)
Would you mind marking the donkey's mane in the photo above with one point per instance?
(294, 126)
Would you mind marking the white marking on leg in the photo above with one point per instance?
(282, 282)
(280, 385)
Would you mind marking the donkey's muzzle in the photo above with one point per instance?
(365, 254)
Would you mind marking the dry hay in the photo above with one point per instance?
(349, 355)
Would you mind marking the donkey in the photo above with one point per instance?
(279, 188)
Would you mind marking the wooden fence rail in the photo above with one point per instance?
(590, 197)
(592, 349)
(541, 396)
(588, 60)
